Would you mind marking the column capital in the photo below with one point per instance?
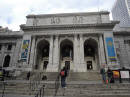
(33, 36)
(57, 36)
(75, 35)
(51, 36)
(81, 35)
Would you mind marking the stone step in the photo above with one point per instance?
(12, 95)
(73, 76)
(84, 76)
(74, 88)
(15, 95)
(83, 85)
(85, 92)
(21, 92)
(90, 89)
(17, 87)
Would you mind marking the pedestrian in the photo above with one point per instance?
(28, 75)
(109, 74)
(63, 75)
(103, 73)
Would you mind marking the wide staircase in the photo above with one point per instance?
(87, 84)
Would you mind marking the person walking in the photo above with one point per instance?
(103, 73)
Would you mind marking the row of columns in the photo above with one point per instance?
(54, 54)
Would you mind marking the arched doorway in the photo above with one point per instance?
(66, 54)
(6, 61)
(91, 54)
(42, 55)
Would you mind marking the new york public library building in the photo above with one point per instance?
(80, 41)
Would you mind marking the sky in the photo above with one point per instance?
(13, 12)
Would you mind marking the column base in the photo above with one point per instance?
(52, 68)
(80, 68)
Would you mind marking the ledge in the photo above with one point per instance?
(69, 26)
(67, 14)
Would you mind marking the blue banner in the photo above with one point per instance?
(25, 47)
(110, 48)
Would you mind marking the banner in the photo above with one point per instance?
(25, 47)
(110, 49)
(116, 74)
(125, 74)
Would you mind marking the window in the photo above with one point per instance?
(6, 61)
(9, 47)
(126, 41)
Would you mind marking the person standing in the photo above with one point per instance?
(109, 74)
(63, 75)
(28, 75)
(103, 73)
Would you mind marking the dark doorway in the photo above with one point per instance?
(67, 65)
(42, 54)
(45, 64)
(66, 49)
(89, 65)
(6, 61)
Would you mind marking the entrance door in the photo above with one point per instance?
(67, 65)
(89, 65)
(45, 65)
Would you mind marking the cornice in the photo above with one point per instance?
(121, 32)
(69, 26)
(67, 14)
(11, 34)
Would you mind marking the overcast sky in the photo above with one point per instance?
(13, 12)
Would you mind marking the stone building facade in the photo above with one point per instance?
(80, 41)
(121, 12)
(10, 48)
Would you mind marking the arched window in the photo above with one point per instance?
(6, 61)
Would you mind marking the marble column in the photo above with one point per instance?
(101, 51)
(76, 54)
(50, 64)
(14, 57)
(2, 55)
(82, 67)
(32, 52)
(56, 54)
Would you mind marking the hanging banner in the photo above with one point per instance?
(110, 49)
(25, 47)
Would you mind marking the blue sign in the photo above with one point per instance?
(110, 48)
(25, 47)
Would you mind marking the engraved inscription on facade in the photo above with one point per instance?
(55, 20)
(77, 19)
(35, 21)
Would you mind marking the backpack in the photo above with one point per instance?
(62, 73)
